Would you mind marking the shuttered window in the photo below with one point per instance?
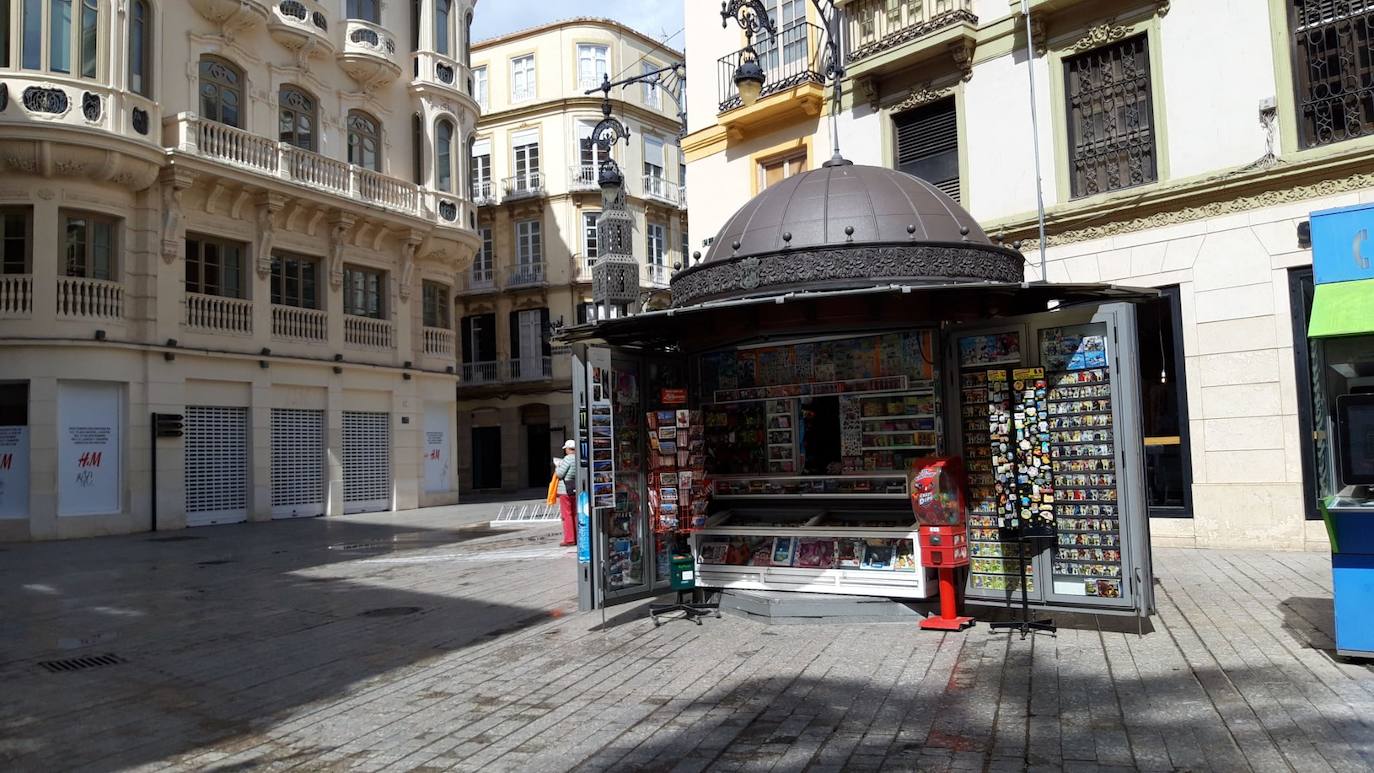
(928, 145)
(1110, 118)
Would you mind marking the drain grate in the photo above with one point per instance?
(178, 538)
(216, 562)
(389, 612)
(81, 664)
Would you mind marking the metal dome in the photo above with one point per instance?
(845, 225)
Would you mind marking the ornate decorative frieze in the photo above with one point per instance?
(1099, 35)
(923, 95)
(845, 266)
(910, 33)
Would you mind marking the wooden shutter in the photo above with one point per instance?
(928, 145)
(468, 343)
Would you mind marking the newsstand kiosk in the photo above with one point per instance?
(847, 324)
(1341, 333)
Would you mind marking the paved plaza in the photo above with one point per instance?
(421, 641)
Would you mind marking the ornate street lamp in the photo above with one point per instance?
(752, 17)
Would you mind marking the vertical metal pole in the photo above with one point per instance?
(1035, 136)
(152, 484)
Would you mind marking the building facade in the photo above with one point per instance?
(535, 183)
(1164, 164)
(245, 215)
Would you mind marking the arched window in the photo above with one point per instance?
(221, 91)
(364, 141)
(364, 10)
(443, 24)
(140, 48)
(417, 147)
(467, 40)
(443, 155)
(47, 26)
(296, 118)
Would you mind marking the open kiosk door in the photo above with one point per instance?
(1049, 423)
(613, 390)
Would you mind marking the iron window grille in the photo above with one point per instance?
(1333, 60)
(1110, 118)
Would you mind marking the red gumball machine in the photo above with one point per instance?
(936, 487)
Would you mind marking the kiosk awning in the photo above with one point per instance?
(1342, 309)
(690, 327)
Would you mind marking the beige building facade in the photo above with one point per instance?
(244, 215)
(1182, 146)
(535, 184)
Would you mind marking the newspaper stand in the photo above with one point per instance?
(936, 486)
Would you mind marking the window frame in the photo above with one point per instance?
(353, 10)
(529, 243)
(436, 311)
(649, 89)
(660, 240)
(595, 82)
(1295, 123)
(145, 59)
(591, 237)
(277, 283)
(375, 134)
(530, 76)
(201, 287)
(481, 91)
(221, 87)
(291, 90)
(443, 27)
(444, 154)
(39, 41)
(26, 215)
(354, 272)
(87, 265)
(484, 261)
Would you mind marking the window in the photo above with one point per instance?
(481, 170)
(483, 262)
(417, 148)
(592, 65)
(526, 152)
(296, 118)
(928, 145)
(1110, 118)
(295, 281)
(16, 240)
(443, 24)
(443, 155)
(776, 170)
(686, 249)
(1164, 405)
(479, 87)
(364, 141)
(479, 337)
(522, 78)
(650, 87)
(363, 290)
(435, 308)
(89, 246)
(590, 154)
(415, 10)
(529, 245)
(140, 48)
(214, 266)
(63, 37)
(1333, 69)
(5, 33)
(467, 41)
(585, 311)
(653, 167)
(657, 241)
(221, 91)
(529, 341)
(364, 10)
(589, 245)
(785, 14)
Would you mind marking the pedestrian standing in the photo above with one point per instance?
(566, 473)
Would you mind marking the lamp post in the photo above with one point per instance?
(615, 277)
(750, 78)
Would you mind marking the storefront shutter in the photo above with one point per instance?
(928, 145)
(216, 465)
(297, 463)
(366, 461)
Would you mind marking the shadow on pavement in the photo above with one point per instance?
(223, 632)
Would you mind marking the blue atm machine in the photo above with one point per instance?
(1341, 341)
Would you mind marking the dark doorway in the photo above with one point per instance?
(538, 456)
(486, 457)
(1164, 401)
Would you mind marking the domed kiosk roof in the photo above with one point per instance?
(845, 225)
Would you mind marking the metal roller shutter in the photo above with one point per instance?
(366, 461)
(928, 145)
(297, 463)
(216, 451)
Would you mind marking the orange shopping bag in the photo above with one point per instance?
(553, 490)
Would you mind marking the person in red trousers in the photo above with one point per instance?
(566, 472)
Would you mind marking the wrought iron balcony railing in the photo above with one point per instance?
(874, 26)
(526, 275)
(790, 59)
(528, 184)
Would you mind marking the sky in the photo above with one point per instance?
(658, 19)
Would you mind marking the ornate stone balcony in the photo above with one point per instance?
(92, 299)
(294, 323)
(301, 25)
(884, 37)
(16, 296)
(234, 14)
(436, 73)
(438, 342)
(216, 314)
(369, 54)
(369, 333)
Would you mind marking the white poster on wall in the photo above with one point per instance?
(438, 455)
(14, 472)
(88, 445)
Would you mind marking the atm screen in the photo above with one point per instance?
(1355, 438)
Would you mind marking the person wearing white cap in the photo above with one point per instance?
(566, 472)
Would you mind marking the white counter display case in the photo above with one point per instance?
(839, 546)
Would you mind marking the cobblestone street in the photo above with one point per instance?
(398, 641)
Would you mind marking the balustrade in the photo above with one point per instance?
(481, 372)
(438, 342)
(82, 298)
(529, 368)
(16, 296)
(368, 333)
(219, 315)
(299, 324)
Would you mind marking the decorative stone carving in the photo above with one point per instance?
(1099, 35)
(338, 240)
(90, 106)
(4, 96)
(268, 207)
(962, 52)
(840, 266)
(38, 99)
(911, 32)
(866, 90)
(138, 117)
(408, 250)
(174, 184)
(924, 95)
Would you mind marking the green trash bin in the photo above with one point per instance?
(683, 575)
